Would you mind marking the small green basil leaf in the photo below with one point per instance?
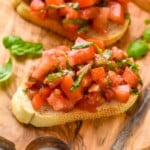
(80, 22)
(80, 77)
(19, 47)
(107, 54)
(82, 45)
(146, 35)
(137, 49)
(6, 71)
(53, 76)
(147, 21)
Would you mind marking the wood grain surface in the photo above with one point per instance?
(99, 134)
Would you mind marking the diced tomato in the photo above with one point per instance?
(116, 79)
(58, 101)
(44, 92)
(90, 102)
(81, 56)
(89, 13)
(100, 22)
(122, 93)
(123, 1)
(72, 28)
(94, 88)
(55, 83)
(130, 77)
(29, 84)
(54, 2)
(63, 48)
(118, 54)
(86, 81)
(37, 5)
(108, 94)
(37, 101)
(47, 63)
(98, 73)
(66, 85)
(116, 12)
(87, 3)
(69, 13)
(99, 43)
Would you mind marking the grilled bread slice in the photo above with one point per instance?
(115, 31)
(46, 117)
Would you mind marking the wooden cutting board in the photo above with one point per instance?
(99, 134)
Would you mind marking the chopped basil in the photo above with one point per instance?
(83, 29)
(82, 45)
(146, 35)
(109, 81)
(74, 5)
(147, 21)
(107, 53)
(110, 65)
(25, 90)
(80, 22)
(53, 76)
(134, 91)
(6, 71)
(127, 16)
(80, 77)
(19, 47)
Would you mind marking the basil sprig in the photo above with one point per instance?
(6, 71)
(19, 47)
(80, 77)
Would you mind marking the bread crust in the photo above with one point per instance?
(46, 117)
(115, 31)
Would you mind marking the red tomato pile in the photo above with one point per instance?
(78, 16)
(84, 77)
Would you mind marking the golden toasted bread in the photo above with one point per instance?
(115, 31)
(46, 117)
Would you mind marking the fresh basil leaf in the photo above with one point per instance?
(82, 45)
(147, 21)
(80, 77)
(107, 54)
(74, 5)
(127, 16)
(53, 76)
(134, 91)
(83, 29)
(6, 71)
(80, 22)
(110, 65)
(19, 47)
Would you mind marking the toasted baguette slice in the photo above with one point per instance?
(46, 117)
(115, 31)
(143, 4)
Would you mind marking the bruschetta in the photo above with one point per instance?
(77, 83)
(102, 20)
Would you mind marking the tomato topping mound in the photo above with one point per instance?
(82, 77)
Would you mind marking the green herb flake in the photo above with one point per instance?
(147, 21)
(82, 45)
(53, 76)
(134, 91)
(127, 16)
(6, 71)
(80, 77)
(110, 65)
(109, 81)
(146, 35)
(25, 90)
(74, 5)
(19, 47)
(107, 54)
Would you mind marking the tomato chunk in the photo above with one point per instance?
(98, 73)
(37, 5)
(116, 12)
(130, 77)
(54, 2)
(83, 3)
(66, 85)
(58, 101)
(37, 101)
(81, 56)
(99, 43)
(122, 93)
